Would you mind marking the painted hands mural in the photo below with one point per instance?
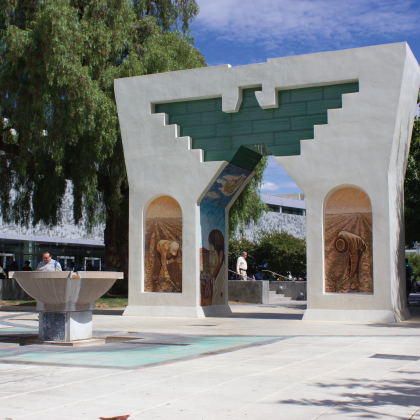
(212, 220)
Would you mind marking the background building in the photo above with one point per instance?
(66, 242)
(287, 214)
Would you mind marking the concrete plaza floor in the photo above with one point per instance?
(264, 362)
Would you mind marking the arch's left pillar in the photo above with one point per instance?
(161, 164)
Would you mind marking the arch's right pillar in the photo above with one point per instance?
(355, 274)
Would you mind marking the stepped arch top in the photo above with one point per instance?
(242, 137)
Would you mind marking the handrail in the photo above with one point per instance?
(240, 275)
(279, 275)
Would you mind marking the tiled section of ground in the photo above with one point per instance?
(263, 365)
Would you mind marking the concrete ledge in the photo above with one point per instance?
(10, 290)
(349, 315)
(290, 288)
(178, 311)
(79, 343)
(249, 291)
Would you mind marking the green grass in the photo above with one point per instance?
(106, 301)
(17, 302)
(111, 301)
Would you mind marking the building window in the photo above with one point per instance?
(274, 208)
(291, 210)
(92, 264)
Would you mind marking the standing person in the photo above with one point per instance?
(242, 266)
(27, 266)
(12, 267)
(48, 264)
(408, 275)
(3, 274)
(71, 267)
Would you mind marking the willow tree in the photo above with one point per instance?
(58, 60)
(412, 189)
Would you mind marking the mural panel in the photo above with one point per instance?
(348, 242)
(212, 221)
(163, 246)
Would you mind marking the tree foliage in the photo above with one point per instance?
(276, 251)
(58, 60)
(248, 205)
(412, 189)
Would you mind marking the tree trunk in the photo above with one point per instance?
(116, 250)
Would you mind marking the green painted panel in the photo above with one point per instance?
(248, 114)
(306, 94)
(201, 105)
(234, 129)
(173, 108)
(246, 158)
(300, 123)
(266, 126)
(216, 155)
(214, 143)
(335, 91)
(266, 138)
(284, 97)
(290, 110)
(185, 120)
(199, 131)
(321, 107)
(249, 99)
(288, 137)
(215, 117)
(243, 137)
(286, 150)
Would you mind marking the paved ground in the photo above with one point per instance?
(261, 363)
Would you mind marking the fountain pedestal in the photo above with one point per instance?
(65, 300)
(65, 326)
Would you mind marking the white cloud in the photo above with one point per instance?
(293, 25)
(269, 186)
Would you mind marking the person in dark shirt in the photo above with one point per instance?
(408, 275)
(13, 266)
(27, 266)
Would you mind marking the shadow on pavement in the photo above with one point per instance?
(370, 405)
(262, 315)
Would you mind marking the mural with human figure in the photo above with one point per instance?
(348, 242)
(163, 246)
(212, 221)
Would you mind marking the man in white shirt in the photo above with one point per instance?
(48, 264)
(242, 266)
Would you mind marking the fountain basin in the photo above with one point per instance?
(65, 300)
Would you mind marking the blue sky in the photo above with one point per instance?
(239, 32)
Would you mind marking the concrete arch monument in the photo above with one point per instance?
(330, 119)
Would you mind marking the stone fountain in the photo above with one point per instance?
(65, 300)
